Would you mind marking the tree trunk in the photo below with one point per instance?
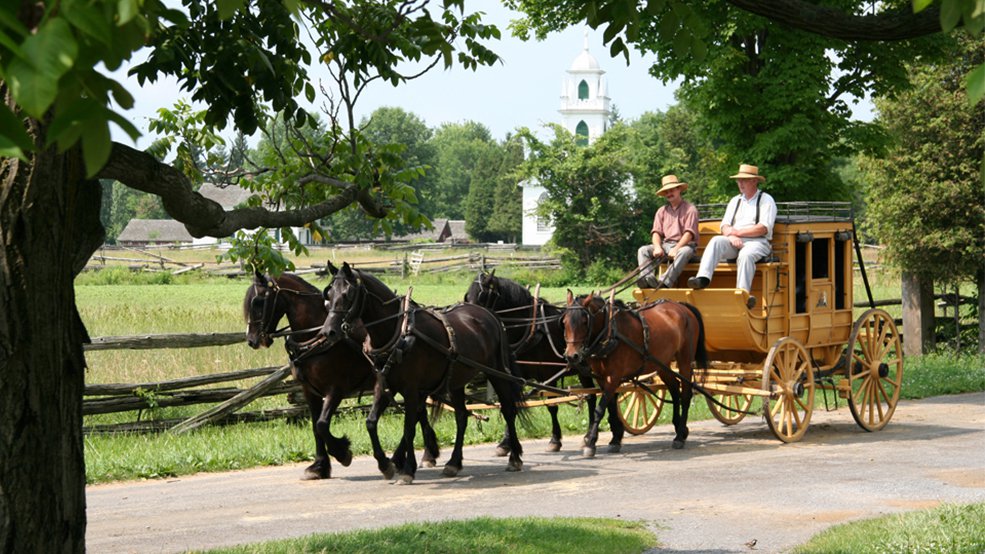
(49, 226)
(981, 310)
(918, 315)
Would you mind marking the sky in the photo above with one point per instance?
(522, 91)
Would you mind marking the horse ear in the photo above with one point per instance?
(346, 269)
(571, 297)
(493, 272)
(331, 268)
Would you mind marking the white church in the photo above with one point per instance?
(584, 112)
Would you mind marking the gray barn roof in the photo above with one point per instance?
(154, 230)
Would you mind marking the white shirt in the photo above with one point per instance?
(746, 216)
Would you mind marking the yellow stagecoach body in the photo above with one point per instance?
(804, 289)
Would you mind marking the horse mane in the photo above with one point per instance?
(299, 284)
(513, 294)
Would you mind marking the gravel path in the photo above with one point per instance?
(726, 488)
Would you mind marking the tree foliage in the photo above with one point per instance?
(926, 198)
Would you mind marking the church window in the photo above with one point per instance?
(581, 134)
(543, 222)
(583, 90)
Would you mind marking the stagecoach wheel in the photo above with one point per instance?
(736, 406)
(639, 410)
(789, 378)
(875, 369)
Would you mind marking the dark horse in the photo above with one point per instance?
(620, 344)
(421, 352)
(326, 376)
(536, 336)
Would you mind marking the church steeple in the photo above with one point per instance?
(584, 102)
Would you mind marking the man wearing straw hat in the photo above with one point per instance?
(674, 236)
(747, 228)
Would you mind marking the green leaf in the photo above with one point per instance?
(919, 5)
(96, 146)
(126, 10)
(975, 84)
(48, 54)
(14, 140)
(950, 14)
(228, 8)
(90, 20)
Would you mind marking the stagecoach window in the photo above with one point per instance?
(843, 258)
(800, 276)
(819, 259)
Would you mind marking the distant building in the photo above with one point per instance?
(585, 111)
(154, 232)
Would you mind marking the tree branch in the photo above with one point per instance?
(203, 217)
(834, 23)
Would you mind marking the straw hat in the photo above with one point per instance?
(748, 172)
(670, 182)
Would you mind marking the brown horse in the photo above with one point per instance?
(536, 336)
(327, 376)
(620, 344)
(422, 352)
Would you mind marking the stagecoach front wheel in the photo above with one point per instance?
(639, 410)
(734, 410)
(875, 369)
(788, 377)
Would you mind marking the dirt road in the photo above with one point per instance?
(727, 487)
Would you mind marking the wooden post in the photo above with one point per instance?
(918, 315)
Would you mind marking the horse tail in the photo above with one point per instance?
(700, 352)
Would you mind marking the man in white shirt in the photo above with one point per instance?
(747, 228)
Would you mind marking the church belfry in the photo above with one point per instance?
(584, 97)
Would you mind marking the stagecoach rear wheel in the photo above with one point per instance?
(788, 376)
(875, 369)
(639, 410)
(736, 406)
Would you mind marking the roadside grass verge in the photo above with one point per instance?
(948, 528)
(482, 535)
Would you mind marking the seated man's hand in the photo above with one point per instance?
(658, 251)
(735, 241)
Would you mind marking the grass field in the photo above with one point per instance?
(112, 304)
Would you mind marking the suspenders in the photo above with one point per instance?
(738, 199)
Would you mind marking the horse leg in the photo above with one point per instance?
(454, 464)
(408, 469)
(322, 466)
(593, 430)
(686, 394)
(617, 428)
(587, 382)
(555, 443)
(380, 403)
(338, 447)
(431, 451)
(508, 398)
(675, 397)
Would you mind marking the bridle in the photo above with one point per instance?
(354, 311)
(488, 296)
(266, 321)
(589, 345)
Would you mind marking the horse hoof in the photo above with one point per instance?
(314, 475)
(389, 471)
(502, 451)
(514, 466)
(451, 471)
(677, 445)
(427, 463)
(553, 447)
(346, 458)
(588, 452)
(404, 479)
(615, 448)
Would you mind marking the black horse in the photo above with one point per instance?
(536, 335)
(421, 352)
(327, 376)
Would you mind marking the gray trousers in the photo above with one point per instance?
(719, 249)
(644, 256)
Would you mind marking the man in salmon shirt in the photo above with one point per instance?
(674, 236)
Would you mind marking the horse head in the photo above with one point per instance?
(262, 310)
(582, 321)
(344, 300)
(484, 290)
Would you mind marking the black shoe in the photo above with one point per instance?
(641, 283)
(652, 282)
(751, 302)
(698, 282)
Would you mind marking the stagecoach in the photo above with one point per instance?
(799, 341)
